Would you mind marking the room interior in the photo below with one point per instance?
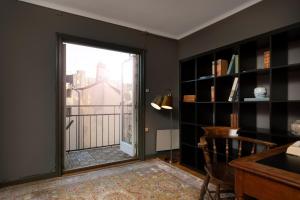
(215, 100)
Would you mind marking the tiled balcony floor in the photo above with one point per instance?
(95, 156)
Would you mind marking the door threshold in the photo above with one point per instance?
(101, 166)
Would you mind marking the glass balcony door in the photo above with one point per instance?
(129, 105)
(100, 105)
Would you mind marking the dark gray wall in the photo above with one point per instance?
(260, 18)
(27, 74)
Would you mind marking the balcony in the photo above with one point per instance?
(94, 132)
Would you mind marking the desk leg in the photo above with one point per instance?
(239, 184)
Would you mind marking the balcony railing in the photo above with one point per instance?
(92, 126)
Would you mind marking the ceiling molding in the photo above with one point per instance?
(137, 27)
(219, 18)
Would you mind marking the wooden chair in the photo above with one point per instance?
(219, 148)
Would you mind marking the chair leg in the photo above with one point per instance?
(204, 187)
(217, 196)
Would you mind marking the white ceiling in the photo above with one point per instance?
(170, 18)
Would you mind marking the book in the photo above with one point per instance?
(257, 99)
(294, 149)
(189, 98)
(267, 59)
(212, 93)
(231, 65)
(237, 63)
(222, 66)
(213, 68)
(236, 95)
(233, 89)
(233, 121)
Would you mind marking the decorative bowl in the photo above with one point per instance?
(295, 128)
(260, 92)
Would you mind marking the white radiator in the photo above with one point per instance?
(163, 139)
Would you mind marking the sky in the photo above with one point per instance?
(86, 58)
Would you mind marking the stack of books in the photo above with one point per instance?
(222, 67)
(189, 98)
(267, 59)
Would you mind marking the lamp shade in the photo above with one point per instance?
(167, 102)
(156, 103)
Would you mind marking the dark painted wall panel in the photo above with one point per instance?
(260, 18)
(27, 74)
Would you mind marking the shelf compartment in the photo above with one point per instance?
(188, 88)
(279, 119)
(223, 88)
(226, 54)
(222, 115)
(249, 81)
(188, 114)
(188, 134)
(200, 161)
(286, 84)
(252, 54)
(205, 114)
(283, 115)
(293, 114)
(253, 116)
(188, 70)
(286, 48)
(204, 65)
(204, 90)
(189, 157)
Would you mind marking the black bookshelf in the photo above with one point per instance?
(268, 120)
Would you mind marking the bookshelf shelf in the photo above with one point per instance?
(227, 75)
(270, 60)
(188, 81)
(258, 71)
(222, 102)
(204, 102)
(189, 123)
(205, 78)
(253, 102)
(290, 66)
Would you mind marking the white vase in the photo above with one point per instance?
(295, 128)
(260, 92)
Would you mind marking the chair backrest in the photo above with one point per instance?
(218, 144)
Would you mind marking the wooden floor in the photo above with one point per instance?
(165, 155)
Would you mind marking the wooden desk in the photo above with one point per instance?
(265, 182)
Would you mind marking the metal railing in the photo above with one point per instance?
(93, 126)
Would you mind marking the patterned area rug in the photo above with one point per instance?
(152, 179)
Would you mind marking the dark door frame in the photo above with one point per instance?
(60, 92)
